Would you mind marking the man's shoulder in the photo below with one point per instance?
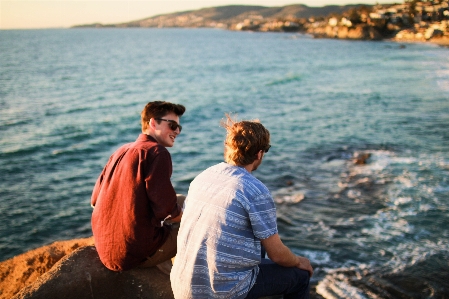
(146, 142)
(250, 179)
(142, 149)
(236, 176)
(217, 168)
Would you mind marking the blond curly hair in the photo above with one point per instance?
(244, 139)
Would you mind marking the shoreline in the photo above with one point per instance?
(441, 42)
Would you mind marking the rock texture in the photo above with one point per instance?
(361, 158)
(359, 32)
(26, 268)
(82, 275)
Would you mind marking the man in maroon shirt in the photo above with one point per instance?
(134, 201)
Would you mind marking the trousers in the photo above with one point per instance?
(274, 279)
(168, 249)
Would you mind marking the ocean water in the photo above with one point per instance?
(70, 97)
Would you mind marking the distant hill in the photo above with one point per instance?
(226, 16)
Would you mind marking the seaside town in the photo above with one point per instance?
(409, 21)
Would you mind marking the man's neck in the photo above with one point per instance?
(249, 167)
(150, 133)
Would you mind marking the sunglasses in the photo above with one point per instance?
(172, 124)
(267, 148)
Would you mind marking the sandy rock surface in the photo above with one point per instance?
(26, 268)
(82, 275)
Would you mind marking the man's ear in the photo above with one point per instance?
(150, 126)
(259, 154)
(151, 123)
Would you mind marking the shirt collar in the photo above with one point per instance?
(145, 137)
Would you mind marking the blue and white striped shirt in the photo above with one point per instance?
(227, 212)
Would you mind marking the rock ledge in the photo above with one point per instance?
(82, 275)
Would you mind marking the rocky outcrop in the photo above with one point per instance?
(82, 275)
(359, 32)
(361, 158)
(72, 270)
(25, 269)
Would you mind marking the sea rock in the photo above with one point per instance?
(361, 158)
(82, 275)
(26, 268)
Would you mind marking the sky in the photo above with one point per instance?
(34, 14)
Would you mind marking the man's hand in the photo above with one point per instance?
(282, 255)
(304, 264)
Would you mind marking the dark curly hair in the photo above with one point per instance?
(159, 109)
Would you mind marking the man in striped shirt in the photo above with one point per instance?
(229, 216)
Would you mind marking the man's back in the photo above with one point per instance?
(229, 215)
(123, 221)
(227, 212)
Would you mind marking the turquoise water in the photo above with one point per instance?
(69, 98)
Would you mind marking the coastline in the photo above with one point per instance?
(419, 21)
(442, 42)
(366, 32)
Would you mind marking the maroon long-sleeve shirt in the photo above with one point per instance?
(131, 197)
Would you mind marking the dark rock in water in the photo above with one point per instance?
(361, 158)
(82, 275)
